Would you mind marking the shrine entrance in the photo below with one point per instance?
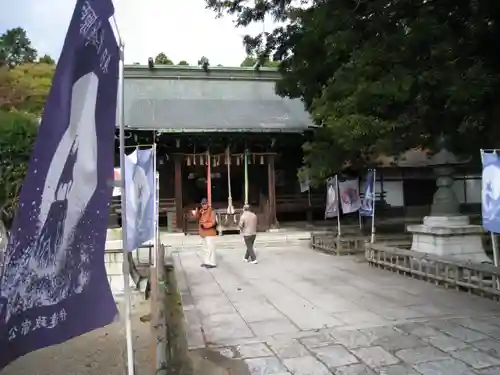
(229, 180)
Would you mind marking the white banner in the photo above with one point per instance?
(332, 198)
(304, 180)
(304, 185)
(349, 196)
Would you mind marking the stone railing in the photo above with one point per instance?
(482, 279)
(352, 243)
(331, 243)
(139, 265)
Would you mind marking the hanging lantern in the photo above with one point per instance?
(202, 160)
(194, 160)
(188, 161)
(238, 161)
(253, 158)
(261, 159)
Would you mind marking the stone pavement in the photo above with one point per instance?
(303, 312)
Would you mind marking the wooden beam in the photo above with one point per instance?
(271, 178)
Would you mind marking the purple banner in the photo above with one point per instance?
(54, 286)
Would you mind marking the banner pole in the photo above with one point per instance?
(372, 238)
(494, 245)
(126, 265)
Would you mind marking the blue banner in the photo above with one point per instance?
(368, 200)
(139, 186)
(54, 285)
(491, 191)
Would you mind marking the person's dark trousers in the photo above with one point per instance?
(250, 254)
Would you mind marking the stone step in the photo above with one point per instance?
(280, 237)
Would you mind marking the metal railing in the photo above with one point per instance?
(482, 279)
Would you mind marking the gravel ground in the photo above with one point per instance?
(101, 352)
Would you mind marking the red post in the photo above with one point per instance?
(209, 178)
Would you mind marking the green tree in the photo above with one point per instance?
(25, 87)
(204, 61)
(46, 59)
(162, 59)
(17, 136)
(382, 76)
(15, 48)
(183, 62)
(251, 61)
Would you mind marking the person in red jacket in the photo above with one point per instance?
(207, 229)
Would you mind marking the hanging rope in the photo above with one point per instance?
(230, 208)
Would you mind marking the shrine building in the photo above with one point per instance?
(221, 134)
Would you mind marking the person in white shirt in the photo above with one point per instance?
(248, 229)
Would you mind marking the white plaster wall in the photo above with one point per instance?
(395, 195)
(393, 192)
(473, 190)
(458, 188)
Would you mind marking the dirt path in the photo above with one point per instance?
(101, 352)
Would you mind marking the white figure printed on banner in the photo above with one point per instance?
(368, 200)
(91, 29)
(491, 191)
(349, 196)
(40, 322)
(61, 208)
(332, 198)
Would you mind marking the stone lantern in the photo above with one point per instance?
(446, 232)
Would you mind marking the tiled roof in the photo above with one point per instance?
(209, 103)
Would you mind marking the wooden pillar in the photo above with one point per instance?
(209, 178)
(271, 178)
(245, 160)
(178, 191)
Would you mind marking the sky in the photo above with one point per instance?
(182, 29)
